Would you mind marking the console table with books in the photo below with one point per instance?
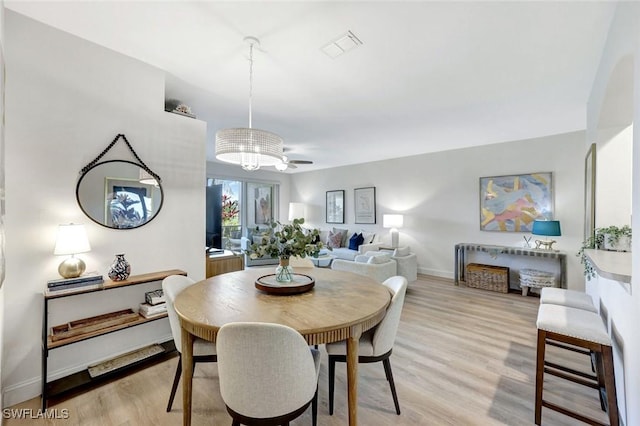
(503, 255)
(76, 330)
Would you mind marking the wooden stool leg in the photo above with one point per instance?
(610, 385)
(540, 349)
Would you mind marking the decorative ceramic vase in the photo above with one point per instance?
(120, 268)
(284, 271)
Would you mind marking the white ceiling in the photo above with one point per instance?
(430, 76)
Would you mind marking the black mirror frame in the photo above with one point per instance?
(87, 170)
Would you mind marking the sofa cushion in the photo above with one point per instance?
(361, 258)
(257, 239)
(402, 251)
(379, 258)
(368, 236)
(345, 236)
(334, 240)
(355, 241)
(345, 253)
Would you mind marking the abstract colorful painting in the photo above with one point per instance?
(511, 203)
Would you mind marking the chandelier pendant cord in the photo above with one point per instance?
(250, 80)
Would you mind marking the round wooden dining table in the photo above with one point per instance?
(340, 306)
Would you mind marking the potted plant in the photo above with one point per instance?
(610, 238)
(285, 241)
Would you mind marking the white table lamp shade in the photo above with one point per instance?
(296, 211)
(393, 221)
(72, 239)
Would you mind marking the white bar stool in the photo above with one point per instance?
(582, 329)
(569, 298)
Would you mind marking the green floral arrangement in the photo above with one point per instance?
(288, 240)
(596, 241)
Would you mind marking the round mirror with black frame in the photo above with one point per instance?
(119, 194)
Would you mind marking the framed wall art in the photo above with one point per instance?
(511, 203)
(365, 204)
(262, 202)
(335, 206)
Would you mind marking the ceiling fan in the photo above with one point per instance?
(290, 164)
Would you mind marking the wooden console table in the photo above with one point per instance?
(495, 251)
(68, 383)
(224, 262)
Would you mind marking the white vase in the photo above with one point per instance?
(623, 243)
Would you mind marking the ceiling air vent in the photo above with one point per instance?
(341, 45)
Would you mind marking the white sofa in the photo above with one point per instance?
(376, 265)
(407, 263)
(344, 252)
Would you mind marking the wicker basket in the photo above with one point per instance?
(536, 279)
(488, 277)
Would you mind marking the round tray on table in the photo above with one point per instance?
(300, 283)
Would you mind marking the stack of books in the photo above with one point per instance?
(150, 311)
(75, 283)
(154, 304)
(154, 297)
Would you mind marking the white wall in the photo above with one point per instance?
(438, 195)
(621, 51)
(614, 177)
(66, 99)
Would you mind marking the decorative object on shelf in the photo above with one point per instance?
(184, 109)
(72, 239)
(393, 221)
(527, 241)
(335, 206)
(616, 238)
(120, 268)
(511, 203)
(251, 148)
(365, 204)
(299, 283)
(609, 238)
(91, 324)
(178, 107)
(548, 228)
(285, 241)
(133, 192)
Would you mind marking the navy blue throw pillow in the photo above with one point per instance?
(355, 241)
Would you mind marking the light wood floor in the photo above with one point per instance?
(462, 357)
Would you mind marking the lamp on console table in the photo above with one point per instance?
(72, 239)
(548, 228)
(393, 221)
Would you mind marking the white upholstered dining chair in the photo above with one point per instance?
(268, 374)
(203, 351)
(375, 344)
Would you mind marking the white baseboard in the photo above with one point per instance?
(436, 273)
